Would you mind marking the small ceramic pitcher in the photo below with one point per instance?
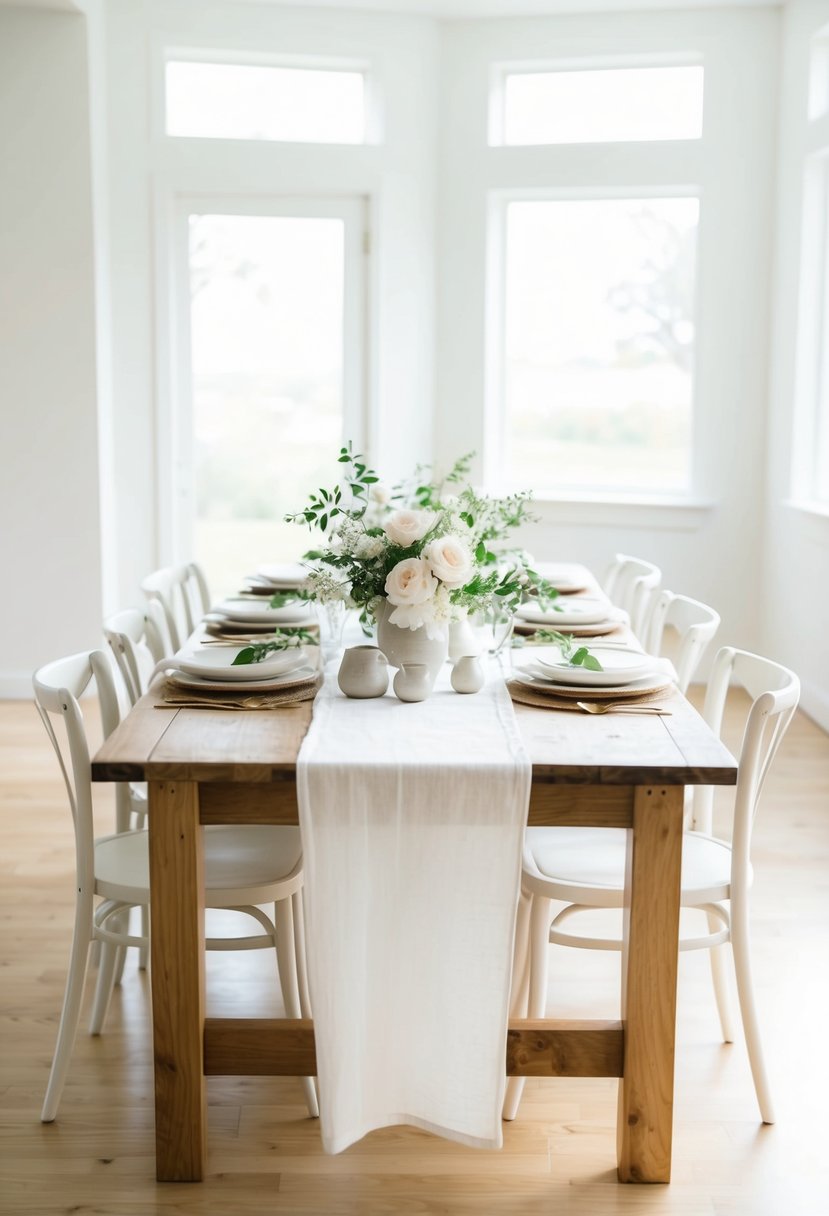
(468, 674)
(413, 682)
(363, 672)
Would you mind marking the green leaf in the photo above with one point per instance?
(592, 663)
(579, 657)
(243, 657)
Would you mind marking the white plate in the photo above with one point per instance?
(217, 664)
(250, 611)
(619, 667)
(655, 678)
(576, 610)
(291, 679)
(283, 574)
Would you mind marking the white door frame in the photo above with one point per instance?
(174, 427)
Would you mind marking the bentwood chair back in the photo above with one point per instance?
(695, 625)
(585, 867)
(631, 583)
(136, 638)
(183, 595)
(244, 867)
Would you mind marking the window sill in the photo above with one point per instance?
(659, 512)
(811, 519)
(808, 506)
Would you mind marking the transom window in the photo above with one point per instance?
(598, 105)
(264, 102)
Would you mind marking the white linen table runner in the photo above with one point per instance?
(412, 818)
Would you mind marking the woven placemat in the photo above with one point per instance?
(565, 700)
(173, 697)
(527, 629)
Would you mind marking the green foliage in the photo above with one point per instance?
(285, 639)
(571, 652)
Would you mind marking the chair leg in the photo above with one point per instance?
(70, 1013)
(719, 977)
(104, 985)
(300, 955)
(286, 960)
(745, 991)
(144, 951)
(540, 917)
(519, 995)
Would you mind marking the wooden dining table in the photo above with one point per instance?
(208, 766)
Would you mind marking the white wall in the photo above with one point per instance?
(795, 589)
(702, 546)
(49, 536)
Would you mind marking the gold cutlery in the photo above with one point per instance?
(602, 707)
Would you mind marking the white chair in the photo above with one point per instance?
(630, 583)
(695, 625)
(136, 638)
(585, 867)
(184, 597)
(244, 867)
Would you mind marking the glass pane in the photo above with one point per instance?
(603, 106)
(239, 101)
(267, 381)
(819, 74)
(599, 343)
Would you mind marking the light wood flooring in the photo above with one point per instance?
(558, 1156)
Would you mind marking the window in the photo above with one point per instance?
(819, 75)
(246, 101)
(599, 105)
(273, 314)
(811, 472)
(598, 343)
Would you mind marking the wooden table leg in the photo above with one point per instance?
(649, 973)
(177, 943)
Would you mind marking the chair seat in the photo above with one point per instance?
(241, 864)
(587, 865)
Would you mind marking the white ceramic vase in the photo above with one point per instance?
(402, 646)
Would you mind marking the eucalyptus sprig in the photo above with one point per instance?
(322, 508)
(573, 654)
(285, 639)
(282, 599)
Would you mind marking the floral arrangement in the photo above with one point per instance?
(426, 547)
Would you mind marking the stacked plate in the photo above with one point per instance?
(213, 671)
(581, 615)
(269, 580)
(567, 578)
(625, 674)
(251, 616)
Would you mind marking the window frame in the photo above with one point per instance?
(499, 72)
(174, 442)
(495, 409)
(228, 56)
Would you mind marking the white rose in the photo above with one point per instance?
(380, 494)
(410, 582)
(450, 561)
(405, 527)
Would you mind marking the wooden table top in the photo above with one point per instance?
(261, 746)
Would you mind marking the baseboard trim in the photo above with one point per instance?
(815, 703)
(16, 686)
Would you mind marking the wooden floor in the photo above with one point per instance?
(558, 1156)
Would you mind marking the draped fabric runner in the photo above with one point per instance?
(412, 818)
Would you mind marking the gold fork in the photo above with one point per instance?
(602, 707)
